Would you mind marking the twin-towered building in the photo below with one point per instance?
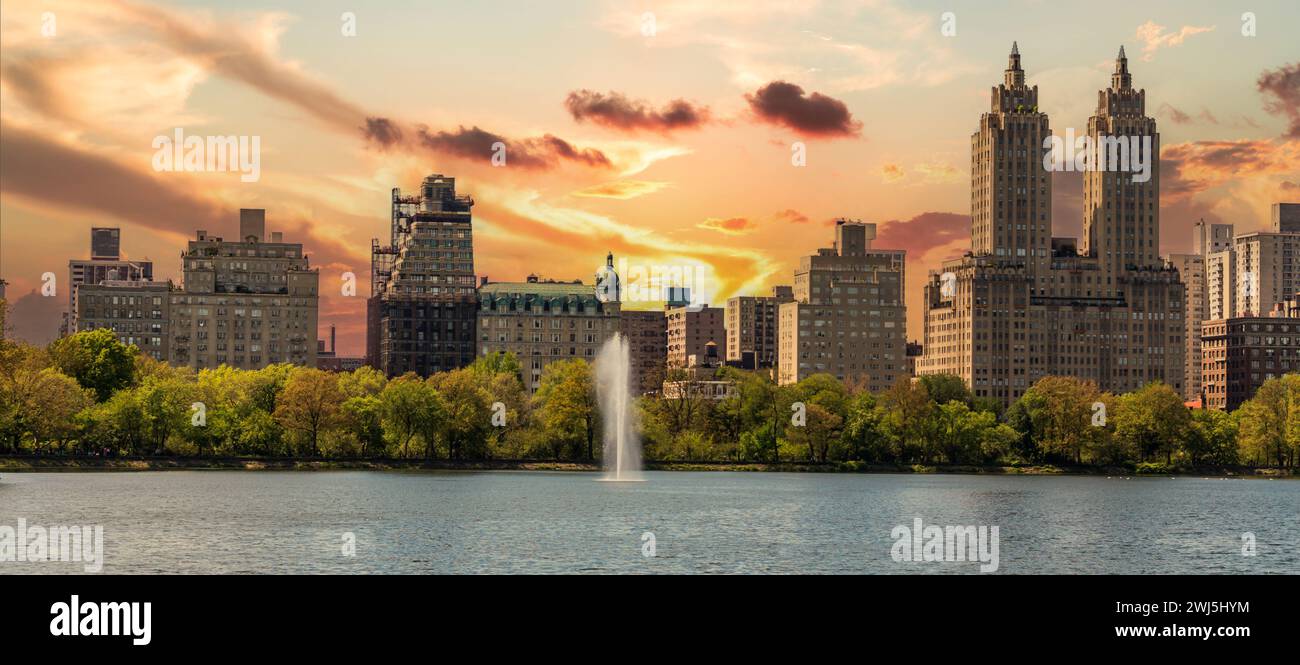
(1022, 304)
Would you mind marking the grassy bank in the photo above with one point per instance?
(21, 463)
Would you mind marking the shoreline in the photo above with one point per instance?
(39, 463)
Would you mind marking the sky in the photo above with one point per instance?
(665, 132)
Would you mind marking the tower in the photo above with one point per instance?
(608, 288)
(1011, 192)
(1121, 187)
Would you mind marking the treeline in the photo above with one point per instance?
(90, 394)
(1059, 420)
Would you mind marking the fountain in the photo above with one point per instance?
(614, 391)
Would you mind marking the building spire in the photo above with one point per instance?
(1014, 76)
(1015, 50)
(1121, 79)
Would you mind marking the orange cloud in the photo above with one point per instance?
(621, 189)
(731, 226)
(1155, 37)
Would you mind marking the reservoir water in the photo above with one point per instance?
(708, 522)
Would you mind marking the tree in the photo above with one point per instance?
(1059, 412)
(41, 404)
(309, 403)
(865, 437)
(164, 400)
(468, 412)
(361, 417)
(944, 388)
(362, 382)
(566, 406)
(497, 362)
(821, 428)
(910, 418)
(1153, 420)
(409, 407)
(1212, 438)
(1269, 422)
(96, 359)
(960, 431)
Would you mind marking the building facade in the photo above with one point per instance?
(690, 328)
(1240, 354)
(137, 312)
(105, 264)
(647, 336)
(1022, 305)
(541, 322)
(751, 328)
(420, 314)
(848, 317)
(1191, 270)
(1285, 217)
(246, 303)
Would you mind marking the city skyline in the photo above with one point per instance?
(673, 149)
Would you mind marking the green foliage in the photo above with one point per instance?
(566, 409)
(96, 359)
(89, 394)
(1153, 421)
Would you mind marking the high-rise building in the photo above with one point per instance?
(1241, 353)
(105, 264)
(1210, 238)
(139, 313)
(1267, 269)
(751, 328)
(848, 317)
(420, 314)
(1285, 218)
(1220, 284)
(541, 322)
(1022, 305)
(1194, 270)
(647, 336)
(105, 243)
(1253, 272)
(246, 303)
(1191, 270)
(690, 329)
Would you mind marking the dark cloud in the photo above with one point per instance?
(1178, 117)
(383, 131)
(814, 115)
(38, 169)
(1281, 89)
(616, 111)
(476, 143)
(34, 318)
(923, 233)
(233, 52)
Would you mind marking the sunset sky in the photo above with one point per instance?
(669, 149)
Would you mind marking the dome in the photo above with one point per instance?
(608, 288)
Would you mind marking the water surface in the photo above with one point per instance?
(537, 522)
